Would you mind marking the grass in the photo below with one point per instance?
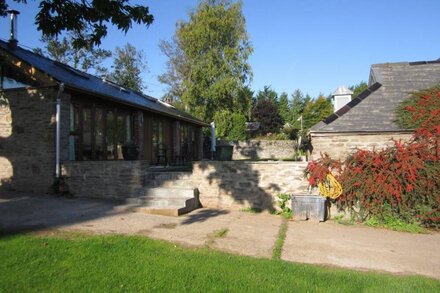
(220, 233)
(81, 263)
(389, 222)
(251, 210)
(395, 224)
(279, 243)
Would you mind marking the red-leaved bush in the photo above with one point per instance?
(403, 179)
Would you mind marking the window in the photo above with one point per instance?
(158, 135)
(98, 132)
(74, 132)
(187, 141)
(110, 137)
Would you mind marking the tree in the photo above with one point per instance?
(88, 20)
(86, 59)
(266, 112)
(297, 105)
(208, 55)
(268, 94)
(283, 107)
(128, 66)
(177, 69)
(230, 125)
(244, 102)
(358, 88)
(317, 110)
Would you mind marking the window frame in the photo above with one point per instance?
(106, 108)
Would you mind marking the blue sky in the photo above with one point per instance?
(313, 45)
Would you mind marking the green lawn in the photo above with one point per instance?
(75, 262)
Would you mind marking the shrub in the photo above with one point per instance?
(290, 131)
(238, 127)
(266, 112)
(230, 126)
(222, 123)
(421, 112)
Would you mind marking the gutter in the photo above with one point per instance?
(57, 133)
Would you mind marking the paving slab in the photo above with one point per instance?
(250, 234)
(364, 248)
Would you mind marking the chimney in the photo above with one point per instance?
(341, 96)
(13, 33)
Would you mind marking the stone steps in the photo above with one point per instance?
(168, 179)
(166, 193)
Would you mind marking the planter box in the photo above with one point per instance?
(309, 207)
(224, 152)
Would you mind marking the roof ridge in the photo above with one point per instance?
(410, 63)
(341, 112)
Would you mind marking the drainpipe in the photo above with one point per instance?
(212, 140)
(57, 135)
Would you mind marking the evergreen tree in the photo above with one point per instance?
(297, 106)
(244, 102)
(358, 88)
(268, 94)
(283, 108)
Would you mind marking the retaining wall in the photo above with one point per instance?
(262, 149)
(105, 179)
(244, 184)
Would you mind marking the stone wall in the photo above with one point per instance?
(262, 149)
(105, 179)
(244, 184)
(27, 138)
(338, 146)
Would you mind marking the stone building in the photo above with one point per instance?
(54, 118)
(368, 121)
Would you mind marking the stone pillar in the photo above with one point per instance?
(199, 142)
(139, 131)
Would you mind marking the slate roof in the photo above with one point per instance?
(373, 110)
(82, 81)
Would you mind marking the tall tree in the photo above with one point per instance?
(88, 20)
(128, 66)
(87, 59)
(297, 106)
(358, 88)
(268, 94)
(208, 58)
(284, 108)
(177, 69)
(244, 102)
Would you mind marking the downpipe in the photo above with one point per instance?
(57, 133)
